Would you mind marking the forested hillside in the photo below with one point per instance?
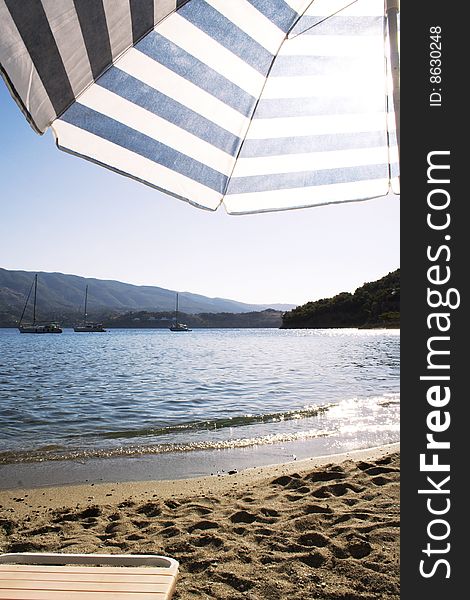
(374, 304)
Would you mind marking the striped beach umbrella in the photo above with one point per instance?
(257, 104)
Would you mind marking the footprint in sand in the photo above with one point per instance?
(299, 494)
(113, 544)
(8, 526)
(45, 529)
(114, 517)
(359, 548)
(170, 531)
(116, 528)
(363, 466)
(314, 559)
(150, 509)
(198, 566)
(14, 547)
(379, 480)
(337, 489)
(313, 539)
(239, 530)
(350, 501)
(92, 511)
(180, 547)
(237, 583)
(89, 513)
(269, 512)
(203, 525)
(141, 524)
(167, 523)
(135, 537)
(285, 480)
(263, 532)
(207, 540)
(380, 470)
(329, 475)
(243, 516)
(339, 551)
(317, 509)
(199, 509)
(386, 460)
(341, 519)
(294, 497)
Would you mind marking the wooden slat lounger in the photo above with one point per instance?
(50, 576)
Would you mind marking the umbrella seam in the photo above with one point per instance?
(21, 105)
(113, 63)
(389, 103)
(323, 20)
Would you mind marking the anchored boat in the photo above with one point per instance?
(87, 326)
(36, 327)
(177, 326)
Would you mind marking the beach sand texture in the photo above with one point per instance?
(319, 529)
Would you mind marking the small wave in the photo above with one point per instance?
(214, 424)
(388, 402)
(32, 456)
(336, 418)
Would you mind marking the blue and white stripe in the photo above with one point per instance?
(319, 134)
(262, 104)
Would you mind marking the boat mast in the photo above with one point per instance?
(176, 312)
(35, 294)
(26, 303)
(86, 298)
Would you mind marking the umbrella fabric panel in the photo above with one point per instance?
(51, 51)
(319, 133)
(25, 79)
(174, 109)
(262, 104)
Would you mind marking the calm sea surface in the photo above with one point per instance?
(135, 392)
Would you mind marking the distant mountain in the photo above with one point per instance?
(374, 304)
(61, 296)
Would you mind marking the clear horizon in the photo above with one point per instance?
(60, 213)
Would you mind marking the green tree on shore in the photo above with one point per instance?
(374, 304)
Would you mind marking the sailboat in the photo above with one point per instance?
(35, 327)
(87, 326)
(178, 326)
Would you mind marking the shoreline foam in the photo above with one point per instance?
(177, 465)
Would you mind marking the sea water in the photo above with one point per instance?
(141, 392)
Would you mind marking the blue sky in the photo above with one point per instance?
(64, 214)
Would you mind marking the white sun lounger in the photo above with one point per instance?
(50, 576)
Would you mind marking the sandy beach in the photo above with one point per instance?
(323, 528)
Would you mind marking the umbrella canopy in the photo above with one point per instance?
(259, 104)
